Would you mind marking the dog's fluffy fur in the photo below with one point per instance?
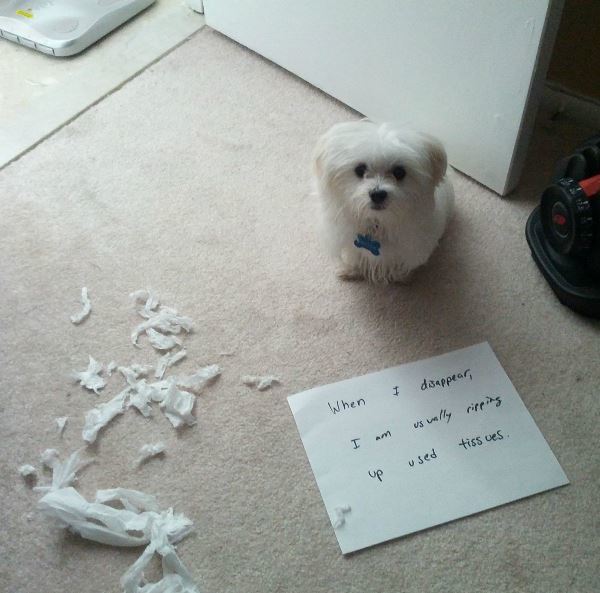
(355, 164)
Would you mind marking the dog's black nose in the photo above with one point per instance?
(378, 195)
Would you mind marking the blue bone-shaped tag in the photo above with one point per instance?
(365, 242)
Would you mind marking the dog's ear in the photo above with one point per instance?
(317, 158)
(438, 161)
(323, 156)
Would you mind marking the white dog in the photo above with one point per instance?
(385, 198)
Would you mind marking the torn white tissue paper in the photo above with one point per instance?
(166, 320)
(177, 406)
(134, 372)
(141, 396)
(148, 451)
(261, 383)
(141, 370)
(196, 382)
(64, 474)
(176, 578)
(168, 360)
(90, 378)
(86, 307)
(137, 523)
(102, 414)
(61, 424)
(170, 583)
(175, 396)
(339, 513)
(111, 367)
(161, 341)
(28, 472)
(100, 522)
(49, 457)
(131, 500)
(149, 299)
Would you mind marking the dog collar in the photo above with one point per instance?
(368, 243)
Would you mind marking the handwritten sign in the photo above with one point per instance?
(421, 444)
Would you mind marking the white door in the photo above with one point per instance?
(467, 71)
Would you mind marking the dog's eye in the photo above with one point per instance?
(399, 172)
(360, 170)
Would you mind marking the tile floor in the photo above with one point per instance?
(39, 93)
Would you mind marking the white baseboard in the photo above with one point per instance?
(559, 100)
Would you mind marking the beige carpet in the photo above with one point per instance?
(192, 180)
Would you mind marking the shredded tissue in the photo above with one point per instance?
(49, 457)
(138, 523)
(177, 406)
(63, 474)
(339, 513)
(137, 520)
(98, 417)
(168, 360)
(85, 310)
(160, 341)
(149, 451)
(149, 299)
(61, 424)
(28, 472)
(261, 383)
(196, 382)
(159, 318)
(90, 378)
(134, 372)
(175, 396)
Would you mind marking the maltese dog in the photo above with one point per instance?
(385, 198)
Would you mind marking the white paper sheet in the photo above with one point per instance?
(421, 444)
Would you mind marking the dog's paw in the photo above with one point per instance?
(349, 274)
(402, 277)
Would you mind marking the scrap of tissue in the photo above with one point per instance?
(138, 523)
(90, 378)
(63, 474)
(160, 341)
(149, 299)
(61, 424)
(165, 320)
(202, 377)
(261, 383)
(168, 360)
(177, 406)
(102, 414)
(339, 513)
(49, 457)
(28, 472)
(149, 451)
(134, 372)
(86, 307)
